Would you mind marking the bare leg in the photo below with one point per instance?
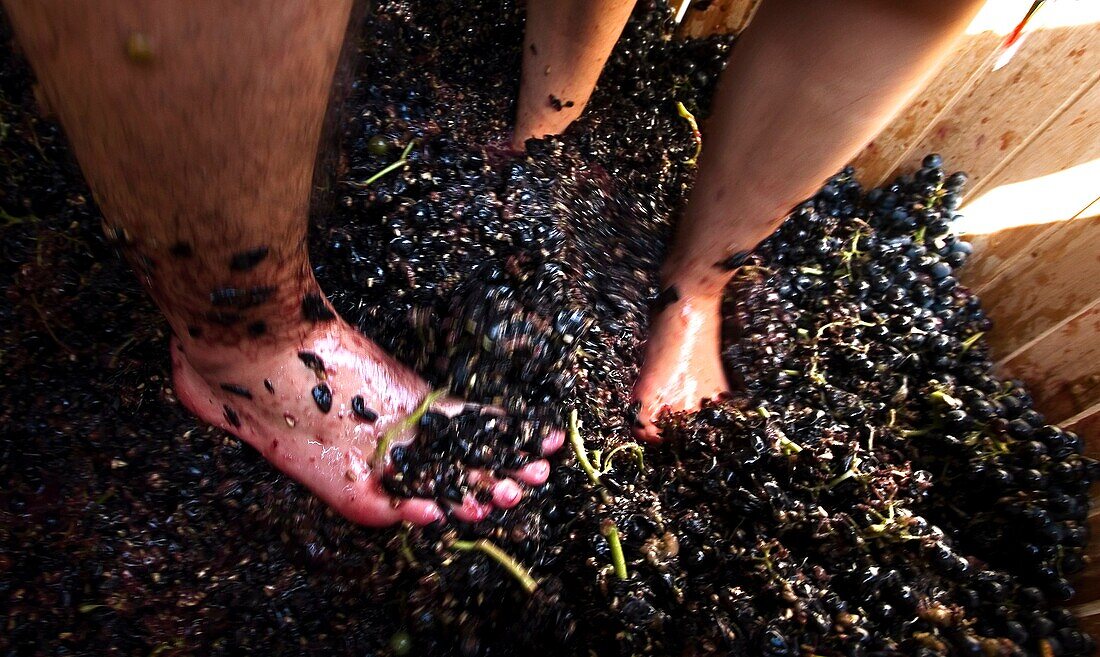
(565, 46)
(196, 125)
(807, 86)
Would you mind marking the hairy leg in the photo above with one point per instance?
(566, 44)
(806, 87)
(197, 126)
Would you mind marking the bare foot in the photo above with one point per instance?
(316, 407)
(682, 363)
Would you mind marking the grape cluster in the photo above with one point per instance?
(870, 489)
(863, 356)
(437, 464)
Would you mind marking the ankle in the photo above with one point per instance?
(211, 358)
(699, 290)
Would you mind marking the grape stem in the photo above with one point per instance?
(405, 549)
(401, 426)
(611, 532)
(578, 448)
(696, 134)
(522, 575)
(577, 443)
(969, 342)
(389, 168)
(852, 251)
(852, 471)
(639, 454)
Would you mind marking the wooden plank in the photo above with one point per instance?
(1051, 180)
(1069, 140)
(879, 159)
(998, 253)
(973, 56)
(1088, 427)
(1093, 210)
(1088, 582)
(1044, 287)
(1090, 622)
(717, 17)
(1063, 369)
(1002, 110)
(995, 252)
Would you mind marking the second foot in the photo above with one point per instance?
(682, 364)
(319, 407)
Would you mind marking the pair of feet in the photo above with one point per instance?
(317, 406)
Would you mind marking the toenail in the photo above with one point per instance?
(507, 494)
(553, 442)
(535, 474)
(421, 512)
(472, 511)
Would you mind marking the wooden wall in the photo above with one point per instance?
(1028, 134)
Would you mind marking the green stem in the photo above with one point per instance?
(969, 342)
(696, 134)
(639, 453)
(9, 220)
(522, 575)
(788, 446)
(618, 561)
(578, 448)
(405, 549)
(401, 426)
(402, 161)
(848, 474)
(942, 397)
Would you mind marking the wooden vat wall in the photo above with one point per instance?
(1028, 133)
